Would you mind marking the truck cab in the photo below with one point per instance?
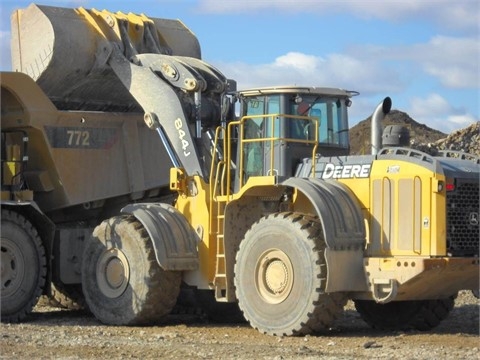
(283, 125)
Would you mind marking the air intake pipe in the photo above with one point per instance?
(382, 109)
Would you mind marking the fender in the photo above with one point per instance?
(343, 228)
(174, 240)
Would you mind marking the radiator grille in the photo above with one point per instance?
(463, 219)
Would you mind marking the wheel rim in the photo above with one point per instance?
(113, 273)
(12, 267)
(274, 276)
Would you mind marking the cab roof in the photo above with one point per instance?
(289, 89)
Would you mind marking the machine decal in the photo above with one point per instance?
(394, 169)
(333, 171)
(81, 137)
(181, 136)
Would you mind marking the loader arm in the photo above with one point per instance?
(177, 82)
(164, 111)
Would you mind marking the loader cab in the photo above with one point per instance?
(279, 127)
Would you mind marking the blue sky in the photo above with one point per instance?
(424, 54)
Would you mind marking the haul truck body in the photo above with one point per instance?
(270, 212)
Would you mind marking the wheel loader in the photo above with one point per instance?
(127, 175)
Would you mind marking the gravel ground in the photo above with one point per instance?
(52, 333)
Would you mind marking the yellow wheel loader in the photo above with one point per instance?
(126, 174)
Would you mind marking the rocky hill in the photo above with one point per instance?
(422, 137)
(466, 140)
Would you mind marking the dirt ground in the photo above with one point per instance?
(53, 333)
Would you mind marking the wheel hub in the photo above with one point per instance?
(274, 276)
(113, 273)
(12, 267)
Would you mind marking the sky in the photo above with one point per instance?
(424, 54)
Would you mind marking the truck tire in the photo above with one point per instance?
(420, 315)
(24, 267)
(280, 276)
(122, 281)
(66, 296)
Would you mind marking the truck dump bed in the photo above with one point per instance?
(76, 157)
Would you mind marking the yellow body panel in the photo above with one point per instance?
(193, 202)
(404, 213)
(206, 215)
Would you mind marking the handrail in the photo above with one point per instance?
(271, 118)
(407, 152)
(215, 167)
(457, 154)
(217, 171)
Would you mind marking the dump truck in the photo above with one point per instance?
(126, 175)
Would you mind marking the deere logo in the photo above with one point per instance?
(473, 218)
(333, 171)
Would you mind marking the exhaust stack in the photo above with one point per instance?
(382, 109)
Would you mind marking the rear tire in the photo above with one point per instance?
(420, 315)
(67, 296)
(280, 276)
(122, 281)
(24, 267)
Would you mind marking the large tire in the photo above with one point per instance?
(67, 296)
(280, 276)
(122, 281)
(24, 267)
(420, 315)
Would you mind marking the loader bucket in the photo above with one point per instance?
(66, 51)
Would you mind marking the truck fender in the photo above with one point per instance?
(343, 229)
(174, 240)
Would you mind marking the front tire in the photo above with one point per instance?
(280, 276)
(420, 315)
(24, 267)
(122, 281)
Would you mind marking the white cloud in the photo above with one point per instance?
(432, 105)
(462, 120)
(294, 68)
(460, 14)
(454, 61)
(457, 65)
(438, 113)
(299, 61)
(454, 76)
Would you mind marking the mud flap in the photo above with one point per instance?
(345, 271)
(174, 241)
